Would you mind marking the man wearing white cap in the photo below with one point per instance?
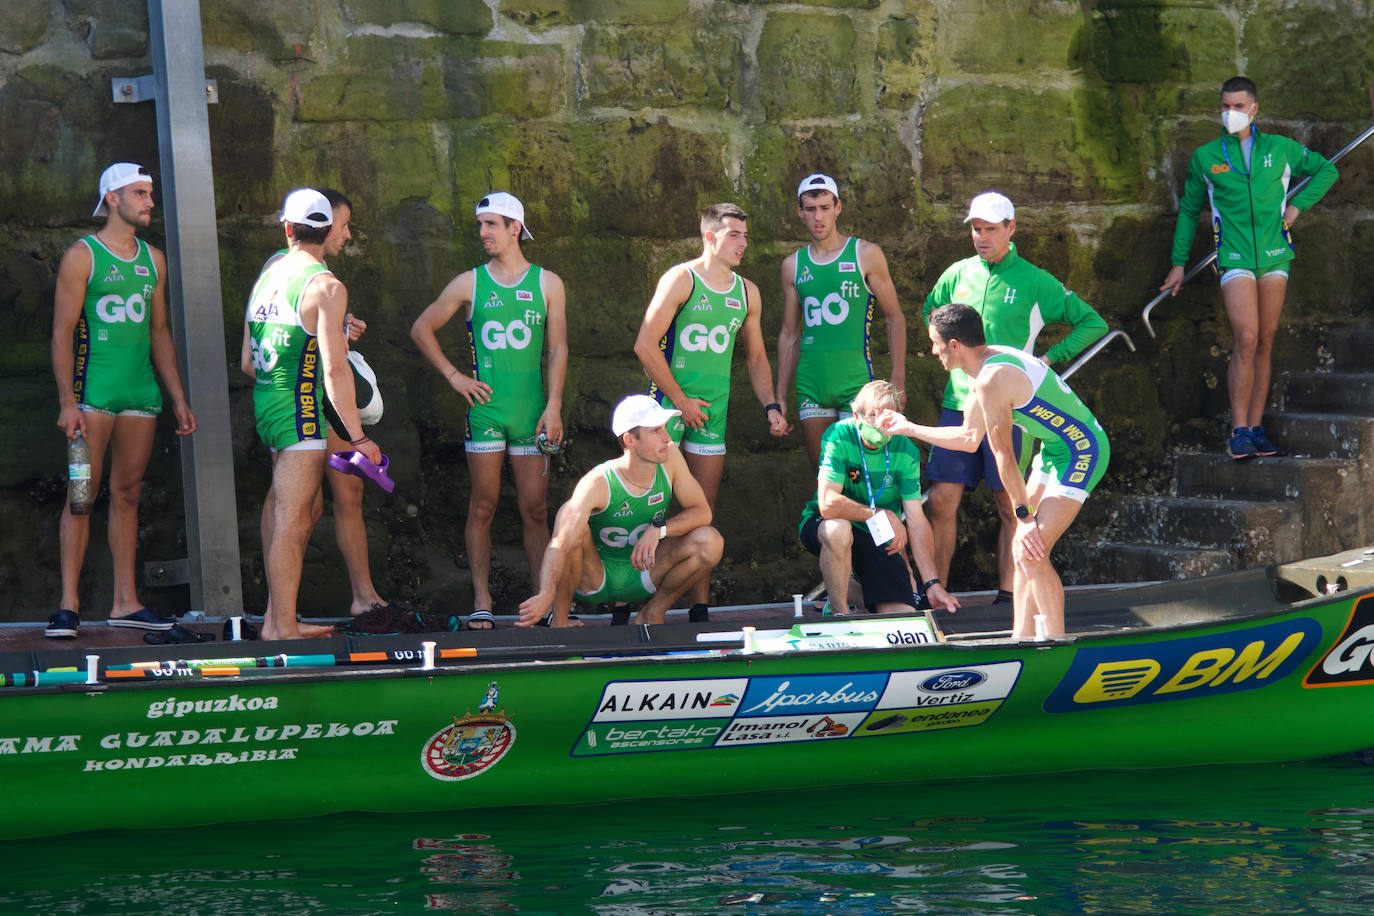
(109, 334)
(686, 344)
(349, 529)
(296, 337)
(515, 313)
(1016, 300)
(829, 289)
(613, 540)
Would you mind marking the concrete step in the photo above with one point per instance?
(1253, 532)
(1086, 562)
(1322, 435)
(1327, 490)
(1350, 347)
(1329, 392)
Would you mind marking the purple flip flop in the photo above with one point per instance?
(356, 463)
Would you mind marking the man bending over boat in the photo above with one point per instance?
(867, 511)
(1012, 386)
(613, 539)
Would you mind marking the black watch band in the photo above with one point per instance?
(1024, 512)
(773, 406)
(925, 586)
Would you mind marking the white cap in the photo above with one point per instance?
(307, 207)
(507, 205)
(818, 182)
(640, 410)
(119, 175)
(992, 207)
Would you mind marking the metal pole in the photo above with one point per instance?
(188, 199)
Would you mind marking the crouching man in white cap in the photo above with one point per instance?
(613, 539)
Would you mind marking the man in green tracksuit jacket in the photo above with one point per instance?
(1244, 176)
(1016, 300)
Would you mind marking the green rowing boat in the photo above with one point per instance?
(1262, 665)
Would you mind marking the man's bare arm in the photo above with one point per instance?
(874, 266)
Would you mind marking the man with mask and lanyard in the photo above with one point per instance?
(1245, 176)
(867, 511)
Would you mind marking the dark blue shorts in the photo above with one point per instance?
(968, 468)
(883, 576)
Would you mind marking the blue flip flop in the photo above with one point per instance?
(143, 619)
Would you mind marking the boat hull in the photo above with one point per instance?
(1290, 685)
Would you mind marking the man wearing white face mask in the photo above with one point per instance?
(1246, 175)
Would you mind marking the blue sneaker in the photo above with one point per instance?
(1241, 445)
(1263, 447)
(63, 625)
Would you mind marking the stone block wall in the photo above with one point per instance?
(616, 121)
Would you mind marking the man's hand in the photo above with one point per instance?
(533, 609)
(550, 424)
(353, 327)
(1290, 215)
(71, 421)
(1173, 281)
(893, 423)
(777, 422)
(186, 420)
(692, 413)
(371, 450)
(899, 533)
(476, 392)
(642, 557)
(942, 599)
(1026, 543)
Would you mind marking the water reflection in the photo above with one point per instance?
(1291, 839)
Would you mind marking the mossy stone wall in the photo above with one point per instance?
(616, 121)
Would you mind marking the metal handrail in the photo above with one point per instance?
(1095, 349)
(1207, 262)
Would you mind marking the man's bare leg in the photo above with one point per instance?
(74, 531)
(532, 495)
(350, 533)
(485, 470)
(1272, 290)
(1006, 564)
(267, 524)
(813, 429)
(942, 509)
(132, 444)
(684, 561)
(296, 478)
(837, 540)
(1241, 298)
(1054, 514)
(708, 470)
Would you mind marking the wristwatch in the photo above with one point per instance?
(1024, 512)
(662, 532)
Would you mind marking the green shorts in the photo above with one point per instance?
(507, 422)
(288, 418)
(709, 438)
(1072, 473)
(828, 382)
(619, 582)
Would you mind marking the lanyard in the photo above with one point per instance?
(863, 463)
(1227, 156)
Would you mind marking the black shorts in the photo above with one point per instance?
(883, 576)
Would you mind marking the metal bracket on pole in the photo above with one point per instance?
(1097, 348)
(126, 90)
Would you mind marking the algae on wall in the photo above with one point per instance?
(616, 122)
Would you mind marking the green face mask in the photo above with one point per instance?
(872, 435)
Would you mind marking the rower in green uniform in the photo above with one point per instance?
(299, 353)
(829, 289)
(686, 342)
(1011, 386)
(614, 540)
(109, 333)
(515, 313)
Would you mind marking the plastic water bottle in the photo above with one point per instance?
(80, 493)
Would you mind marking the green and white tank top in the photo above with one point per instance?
(618, 527)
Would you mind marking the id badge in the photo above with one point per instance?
(880, 528)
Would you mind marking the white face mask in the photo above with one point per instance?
(1236, 121)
